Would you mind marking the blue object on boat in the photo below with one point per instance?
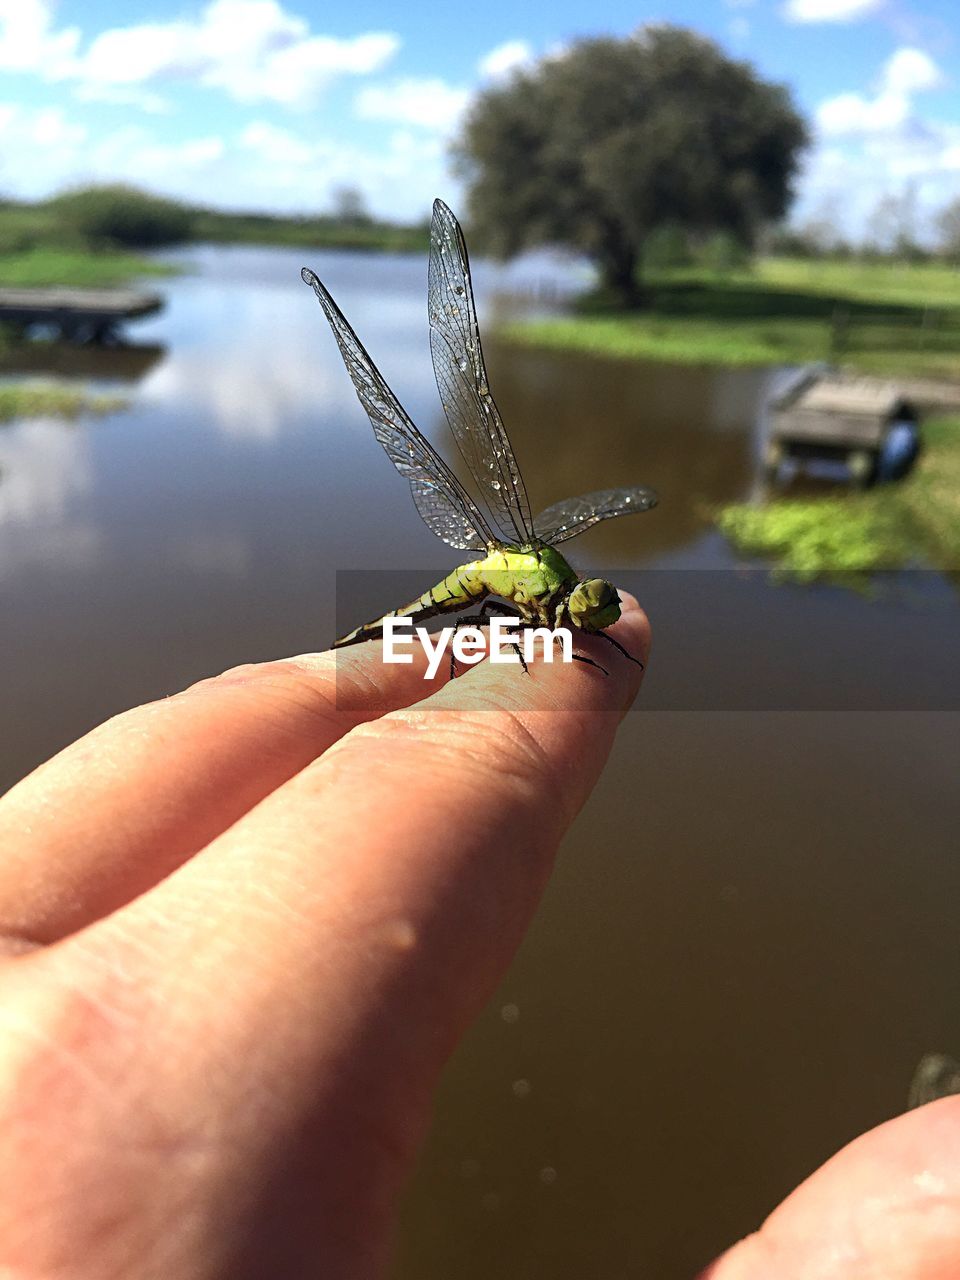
(899, 451)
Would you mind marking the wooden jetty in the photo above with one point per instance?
(78, 315)
(825, 414)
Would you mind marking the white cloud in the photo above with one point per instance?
(29, 43)
(299, 174)
(37, 147)
(851, 113)
(124, 96)
(134, 152)
(506, 57)
(276, 146)
(905, 73)
(253, 50)
(295, 76)
(911, 71)
(427, 103)
(881, 144)
(830, 10)
(51, 128)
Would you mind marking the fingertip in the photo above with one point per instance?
(634, 621)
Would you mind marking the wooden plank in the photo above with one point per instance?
(95, 301)
(851, 430)
(79, 315)
(851, 396)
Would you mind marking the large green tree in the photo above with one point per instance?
(596, 147)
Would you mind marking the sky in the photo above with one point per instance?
(275, 104)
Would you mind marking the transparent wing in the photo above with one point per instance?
(446, 508)
(462, 379)
(568, 518)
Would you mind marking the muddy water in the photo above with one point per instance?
(750, 939)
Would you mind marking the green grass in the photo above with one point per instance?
(80, 268)
(39, 400)
(316, 233)
(893, 318)
(685, 340)
(931, 284)
(914, 521)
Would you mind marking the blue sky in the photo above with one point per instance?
(274, 104)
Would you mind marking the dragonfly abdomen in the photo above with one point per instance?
(457, 591)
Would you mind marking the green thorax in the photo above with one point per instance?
(530, 578)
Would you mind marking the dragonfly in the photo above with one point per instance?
(517, 569)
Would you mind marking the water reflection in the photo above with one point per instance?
(576, 425)
(46, 469)
(122, 362)
(753, 907)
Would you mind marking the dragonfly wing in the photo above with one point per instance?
(567, 519)
(462, 380)
(447, 509)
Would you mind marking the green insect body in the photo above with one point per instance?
(518, 561)
(540, 583)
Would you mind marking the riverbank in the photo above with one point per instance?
(878, 317)
(76, 268)
(97, 236)
(914, 521)
(42, 400)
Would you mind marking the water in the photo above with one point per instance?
(749, 942)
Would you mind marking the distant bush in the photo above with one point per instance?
(121, 215)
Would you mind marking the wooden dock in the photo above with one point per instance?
(827, 414)
(77, 315)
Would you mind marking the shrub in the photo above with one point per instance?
(122, 215)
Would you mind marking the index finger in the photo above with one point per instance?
(114, 812)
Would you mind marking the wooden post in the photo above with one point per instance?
(839, 332)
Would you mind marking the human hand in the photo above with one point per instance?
(245, 927)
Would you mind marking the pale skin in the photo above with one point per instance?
(243, 937)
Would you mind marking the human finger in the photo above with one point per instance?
(887, 1205)
(116, 811)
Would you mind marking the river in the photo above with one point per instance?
(750, 939)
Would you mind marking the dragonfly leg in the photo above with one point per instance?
(500, 609)
(467, 620)
(582, 657)
(616, 644)
(490, 608)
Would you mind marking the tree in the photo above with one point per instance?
(948, 230)
(596, 147)
(350, 205)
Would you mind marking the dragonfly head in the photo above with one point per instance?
(593, 605)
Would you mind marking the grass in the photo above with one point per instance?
(315, 233)
(80, 268)
(40, 400)
(877, 317)
(914, 521)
